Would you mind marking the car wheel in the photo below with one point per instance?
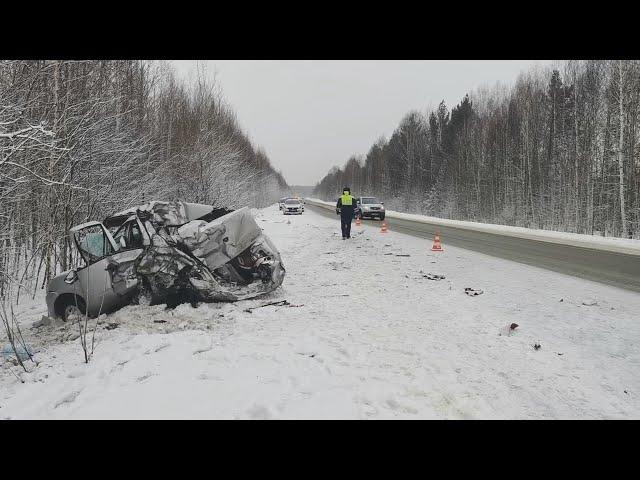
(73, 312)
(143, 295)
(381, 217)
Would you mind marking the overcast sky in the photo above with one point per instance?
(310, 115)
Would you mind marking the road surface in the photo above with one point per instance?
(611, 268)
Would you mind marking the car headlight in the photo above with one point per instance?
(365, 208)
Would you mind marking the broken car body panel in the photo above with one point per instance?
(169, 248)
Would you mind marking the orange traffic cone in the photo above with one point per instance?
(358, 222)
(384, 228)
(437, 246)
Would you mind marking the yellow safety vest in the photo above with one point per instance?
(347, 200)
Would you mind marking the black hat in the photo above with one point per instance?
(347, 189)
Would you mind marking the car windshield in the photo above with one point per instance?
(292, 202)
(368, 200)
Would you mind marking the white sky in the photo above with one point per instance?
(309, 115)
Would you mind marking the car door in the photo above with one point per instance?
(131, 239)
(107, 277)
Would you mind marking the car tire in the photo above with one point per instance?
(74, 310)
(143, 295)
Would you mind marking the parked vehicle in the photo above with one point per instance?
(292, 206)
(161, 251)
(370, 207)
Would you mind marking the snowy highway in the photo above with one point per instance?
(611, 261)
(366, 334)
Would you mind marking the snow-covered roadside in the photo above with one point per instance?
(365, 336)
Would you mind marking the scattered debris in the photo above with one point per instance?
(560, 353)
(159, 321)
(626, 392)
(21, 352)
(508, 329)
(281, 303)
(402, 255)
(537, 346)
(388, 254)
(590, 302)
(562, 299)
(111, 326)
(472, 292)
(431, 276)
(330, 253)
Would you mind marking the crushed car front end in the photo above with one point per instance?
(226, 259)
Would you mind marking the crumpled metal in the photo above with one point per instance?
(226, 259)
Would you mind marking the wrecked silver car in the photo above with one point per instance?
(166, 252)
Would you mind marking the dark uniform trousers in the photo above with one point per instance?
(346, 215)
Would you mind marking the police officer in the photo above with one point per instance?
(346, 204)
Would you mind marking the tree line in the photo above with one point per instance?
(82, 139)
(558, 150)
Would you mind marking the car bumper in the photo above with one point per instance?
(377, 214)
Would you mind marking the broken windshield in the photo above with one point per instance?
(93, 243)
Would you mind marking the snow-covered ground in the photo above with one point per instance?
(366, 335)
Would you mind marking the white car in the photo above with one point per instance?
(292, 206)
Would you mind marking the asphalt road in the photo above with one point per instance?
(611, 268)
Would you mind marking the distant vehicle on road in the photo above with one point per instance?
(301, 200)
(370, 207)
(292, 206)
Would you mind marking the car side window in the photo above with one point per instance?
(135, 236)
(93, 244)
(121, 236)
